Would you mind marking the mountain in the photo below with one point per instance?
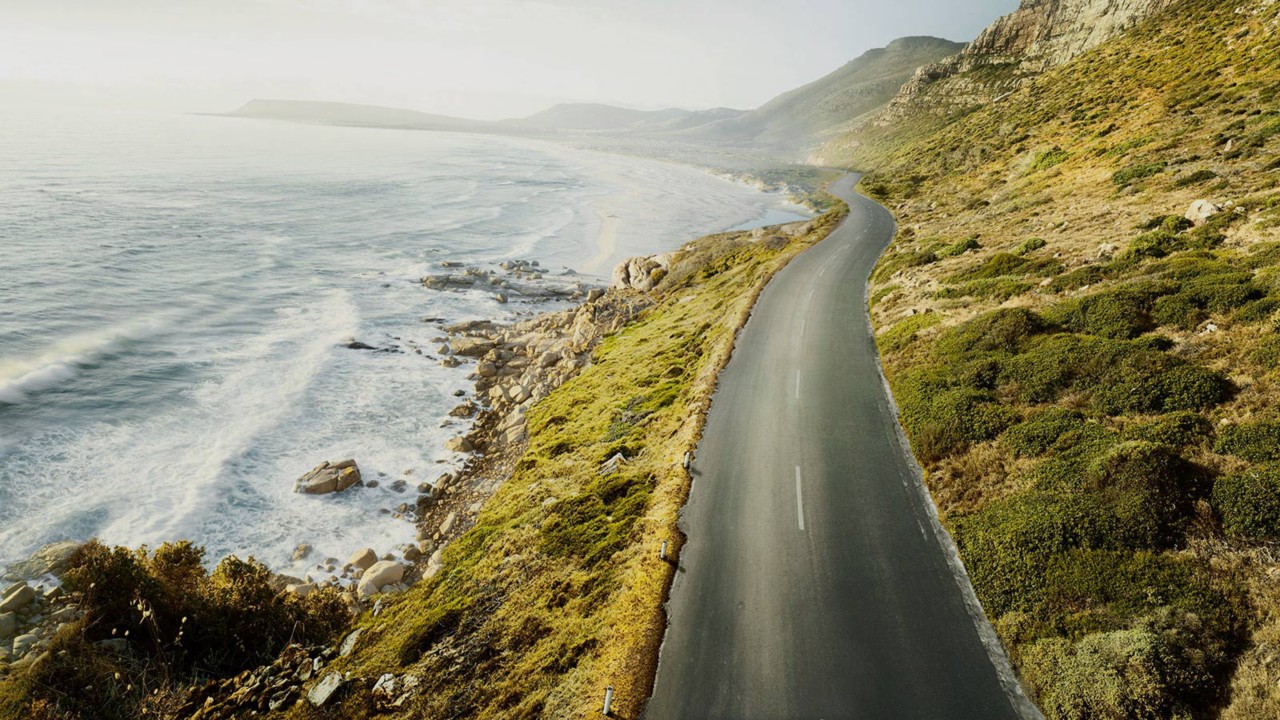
(1078, 321)
(336, 113)
(797, 119)
(593, 117)
(1038, 36)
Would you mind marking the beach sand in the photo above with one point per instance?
(606, 244)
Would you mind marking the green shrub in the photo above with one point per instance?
(1255, 442)
(1267, 354)
(1117, 314)
(1134, 173)
(1030, 245)
(1256, 311)
(1146, 488)
(1007, 264)
(1179, 311)
(1049, 158)
(1177, 429)
(1038, 434)
(904, 332)
(960, 247)
(1005, 330)
(1249, 503)
(1195, 178)
(1000, 289)
(1080, 277)
(598, 523)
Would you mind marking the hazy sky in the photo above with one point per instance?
(478, 58)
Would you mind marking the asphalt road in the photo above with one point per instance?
(815, 582)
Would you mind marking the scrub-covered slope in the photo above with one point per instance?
(1078, 319)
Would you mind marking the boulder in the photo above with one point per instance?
(18, 599)
(52, 559)
(459, 445)
(486, 369)
(349, 643)
(22, 644)
(363, 559)
(321, 692)
(378, 576)
(638, 273)
(471, 346)
(8, 625)
(328, 478)
(1200, 212)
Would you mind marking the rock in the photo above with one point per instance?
(23, 643)
(321, 692)
(502, 299)
(328, 478)
(611, 465)
(349, 643)
(412, 553)
(1200, 212)
(301, 591)
(381, 574)
(301, 552)
(486, 369)
(595, 294)
(8, 625)
(363, 559)
(18, 599)
(471, 346)
(465, 410)
(459, 445)
(357, 345)
(447, 525)
(639, 273)
(52, 559)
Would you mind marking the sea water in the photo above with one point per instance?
(176, 293)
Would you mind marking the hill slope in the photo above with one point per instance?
(796, 120)
(1078, 320)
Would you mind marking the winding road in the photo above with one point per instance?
(816, 582)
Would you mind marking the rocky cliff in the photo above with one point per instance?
(1039, 35)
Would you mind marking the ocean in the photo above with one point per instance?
(176, 294)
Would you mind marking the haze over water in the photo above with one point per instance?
(175, 292)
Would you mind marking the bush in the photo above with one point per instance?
(1007, 264)
(1255, 442)
(1257, 310)
(1030, 245)
(1038, 434)
(1249, 503)
(1005, 330)
(1134, 173)
(1000, 289)
(1146, 488)
(1195, 178)
(182, 625)
(1118, 314)
(903, 332)
(1267, 354)
(1049, 158)
(960, 247)
(1177, 429)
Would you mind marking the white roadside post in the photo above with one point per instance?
(686, 459)
(608, 701)
(662, 554)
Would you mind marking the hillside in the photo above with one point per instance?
(797, 120)
(1038, 36)
(1078, 321)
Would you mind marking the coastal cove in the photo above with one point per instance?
(186, 291)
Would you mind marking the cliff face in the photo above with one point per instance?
(1039, 35)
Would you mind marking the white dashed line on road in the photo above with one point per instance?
(799, 500)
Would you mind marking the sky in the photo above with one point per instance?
(485, 59)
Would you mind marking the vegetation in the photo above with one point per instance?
(176, 623)
(1096, 427)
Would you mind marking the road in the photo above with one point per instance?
(815, 581)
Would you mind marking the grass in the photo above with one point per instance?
(1096, 427)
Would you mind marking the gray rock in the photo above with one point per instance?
(1200, 212)
(349, 642)
(8, 625)
(328, 478)
(323, 691)
(23, 643)
(363, 559)
(18, 599)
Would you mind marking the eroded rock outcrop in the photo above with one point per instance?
(1039, 35)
